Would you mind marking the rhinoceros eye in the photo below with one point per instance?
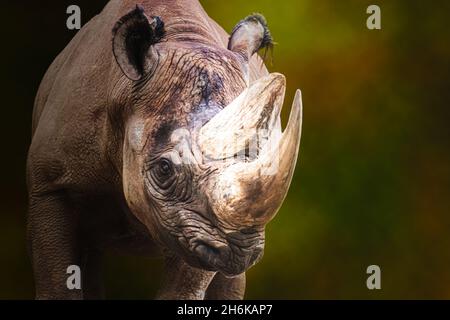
(164, 169)
(162, 177)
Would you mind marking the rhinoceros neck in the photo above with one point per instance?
(185, 20)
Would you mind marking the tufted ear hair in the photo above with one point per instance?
(133, 38)
(250, 35)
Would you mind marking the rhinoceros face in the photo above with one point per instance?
(205, 164)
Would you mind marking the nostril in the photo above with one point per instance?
(250, 230)
(205, 248)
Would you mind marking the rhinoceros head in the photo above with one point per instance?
(205, 163)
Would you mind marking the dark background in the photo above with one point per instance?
(372, 184)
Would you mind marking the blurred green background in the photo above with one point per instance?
(372, 184)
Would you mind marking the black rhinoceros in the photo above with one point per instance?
(146, 140)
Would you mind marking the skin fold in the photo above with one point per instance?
(113, 116)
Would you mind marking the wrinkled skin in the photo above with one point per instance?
(105, 168)
(182, 215)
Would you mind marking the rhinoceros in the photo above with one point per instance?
(145, 141)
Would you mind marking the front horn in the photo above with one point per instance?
(251, 192)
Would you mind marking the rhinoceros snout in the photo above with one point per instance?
(231, 259)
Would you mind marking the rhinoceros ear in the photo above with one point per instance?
(133, 37)
(250, 35)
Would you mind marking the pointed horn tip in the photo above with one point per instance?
(298, 101)
(296, 115)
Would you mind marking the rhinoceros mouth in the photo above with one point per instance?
(210, 248)
(227, 260)
(207, 246)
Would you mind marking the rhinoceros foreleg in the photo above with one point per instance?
(53, 245)
(223, 288)
(183, 282)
